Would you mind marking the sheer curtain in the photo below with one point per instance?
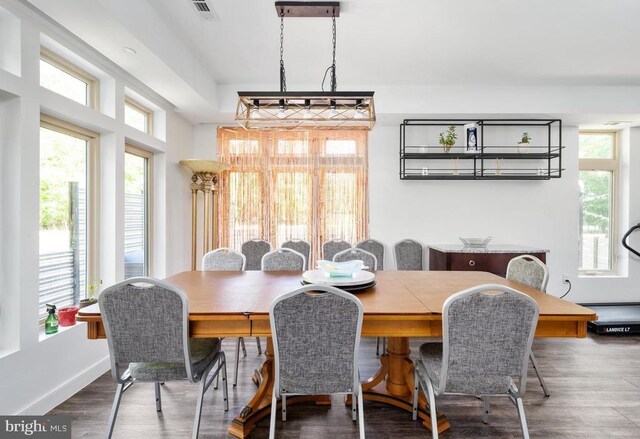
(309, 185)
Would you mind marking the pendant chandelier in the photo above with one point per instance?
(306, 110)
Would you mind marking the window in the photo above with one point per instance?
(64, 78)
(137, 116)
(68, 212)
(598, 182)
(137, 178)
(282, 185)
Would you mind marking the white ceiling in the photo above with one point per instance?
(382, 45)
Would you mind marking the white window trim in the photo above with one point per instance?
(93, 83)
(149, 226)
(141, 108)
(93, 182)
(611, 165)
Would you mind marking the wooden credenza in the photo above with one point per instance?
(493, 258)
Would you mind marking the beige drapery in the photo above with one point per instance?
(309, 185)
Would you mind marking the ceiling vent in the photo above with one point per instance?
(204, 10)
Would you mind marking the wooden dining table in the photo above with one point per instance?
(402, 304)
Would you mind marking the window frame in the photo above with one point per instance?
(128, 101)
(149, 224)
(612, 165)
(93, 191)
(93, 83)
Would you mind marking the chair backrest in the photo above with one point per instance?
(374, 247)
(486, 335)
(223, 259)
(333, 247)
(354, 253)
(283, 259)
(302, 247)
(254, 250)
(316, 338)
(146, 321)
(529, 271)
(409, 255)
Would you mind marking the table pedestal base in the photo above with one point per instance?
(392, 384)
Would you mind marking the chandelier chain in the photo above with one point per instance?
(334, 83)
(283, 76)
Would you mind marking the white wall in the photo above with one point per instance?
(38, 372)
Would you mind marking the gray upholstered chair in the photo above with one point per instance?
(316, 338)
(302, 247)
(533, 273)
(354, 253)
(333, 247)
(254, 250)
(374, 247)
(224, 259)
(283, 259)
(147, 326)
(409, 255)
(486, 340)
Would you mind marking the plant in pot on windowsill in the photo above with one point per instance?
(523, 144)
(94, 290)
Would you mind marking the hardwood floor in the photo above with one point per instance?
(594, 385)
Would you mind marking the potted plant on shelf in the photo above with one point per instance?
(448, 138)
(523, 144)
(94, 289)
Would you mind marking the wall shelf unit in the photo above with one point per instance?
(497, 155)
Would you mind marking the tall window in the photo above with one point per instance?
(598, 182)
(138, 116)
(137, 175)
(68, 80)
(293, 185)
(67, 209)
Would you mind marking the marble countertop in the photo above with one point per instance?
(491, 248)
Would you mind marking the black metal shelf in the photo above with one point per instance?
(491, 161)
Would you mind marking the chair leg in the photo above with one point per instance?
(523, 419)
(354, 415)
(377, 346)
(114, 409)
(384, 345)
(360, 413)
(272, 424)
(244, 348)
(416, 394)
(259, 345)
(432, 408)
(283, 399)
(225, 389)
(485, 410)
(158, 398)
(534, 363)
(196, 421)
(215, 386)
(235, 378)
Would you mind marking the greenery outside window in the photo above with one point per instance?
(598, 179)
(68, 213)
(138, 116)
(68, 80)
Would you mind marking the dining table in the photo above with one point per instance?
(401, 305)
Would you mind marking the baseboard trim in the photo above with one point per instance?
(67, 389)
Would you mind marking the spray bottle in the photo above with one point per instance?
(51, 323)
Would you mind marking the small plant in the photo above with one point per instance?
(448, 138)
(93, 290)
(526, 139)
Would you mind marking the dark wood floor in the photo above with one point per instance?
(594, 384)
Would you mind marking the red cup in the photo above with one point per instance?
(67, 315)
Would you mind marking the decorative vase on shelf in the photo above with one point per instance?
(523, 144)
(448, 138)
